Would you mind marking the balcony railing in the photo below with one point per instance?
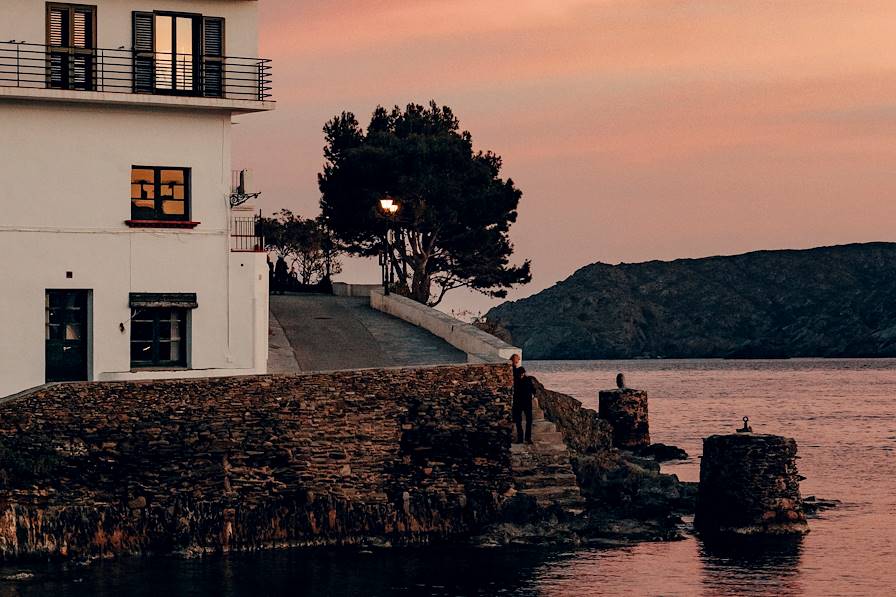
(34, 66)
(244, 237)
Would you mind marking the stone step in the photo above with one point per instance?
(525, 469)
(541, 460)
(543, 426)
(564, 479)
(554, 437)
(555, 495)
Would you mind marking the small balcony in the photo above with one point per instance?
(126, 76)
(244, 237)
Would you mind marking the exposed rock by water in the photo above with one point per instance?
(828, 302)
(624, 496)
(662, 452)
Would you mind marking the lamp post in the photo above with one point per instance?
(389, 208)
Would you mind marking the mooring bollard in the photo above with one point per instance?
(749, 485)
(626, 411)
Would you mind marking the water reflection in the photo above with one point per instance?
(751, 566)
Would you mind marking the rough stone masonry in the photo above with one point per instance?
(749, 485)
(215, 465)
(626, 411)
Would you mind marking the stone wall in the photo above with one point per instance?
(749, 485)
(210, 465)
(583, 431)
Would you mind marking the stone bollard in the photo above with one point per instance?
(626, 411)
(749, 486)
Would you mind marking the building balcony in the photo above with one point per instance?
(120, 76)
(244, 237)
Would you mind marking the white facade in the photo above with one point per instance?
(66, 161)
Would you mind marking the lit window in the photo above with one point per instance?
(160, 193)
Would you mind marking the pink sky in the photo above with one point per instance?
(636, 129)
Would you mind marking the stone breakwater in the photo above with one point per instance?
(234, 464)
(627, 496)
(749, 485)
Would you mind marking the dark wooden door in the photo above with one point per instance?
(67, 335)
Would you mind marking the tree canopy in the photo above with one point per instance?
(452, 227)
(307, 245)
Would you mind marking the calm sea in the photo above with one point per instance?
(841, 413)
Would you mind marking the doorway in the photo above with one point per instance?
(67, 335)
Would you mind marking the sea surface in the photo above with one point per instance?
(841, 412)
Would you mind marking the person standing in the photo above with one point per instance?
(524, 392)
(281, 275)
(515, 363)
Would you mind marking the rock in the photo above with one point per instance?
(616, 483)
(137, 503)
(749, 485)
(662, 452)
(812, 505)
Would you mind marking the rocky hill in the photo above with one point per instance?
(825, 302)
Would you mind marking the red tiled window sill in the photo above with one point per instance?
(160, 224)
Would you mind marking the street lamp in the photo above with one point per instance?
(389, 208)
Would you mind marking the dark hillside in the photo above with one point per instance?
(826, 302)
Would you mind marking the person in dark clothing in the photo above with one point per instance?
(281, 274)
(523, 392)
(515, 363)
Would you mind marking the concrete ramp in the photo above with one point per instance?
(330, 333)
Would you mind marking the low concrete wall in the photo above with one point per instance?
(234, 464)
(354, 290)
(480, 346)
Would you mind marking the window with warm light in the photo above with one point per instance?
(160, 194)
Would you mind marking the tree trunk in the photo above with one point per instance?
(420, 285)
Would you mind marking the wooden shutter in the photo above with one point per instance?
(213, 56)
(71, 37)
(57, 53)
(144, 52)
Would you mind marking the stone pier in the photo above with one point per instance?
(400, 456)
(749, 485)
(626, 411)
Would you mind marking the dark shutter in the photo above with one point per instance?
(213, 56)
(144, 48)
(71, 37)
(57, 27)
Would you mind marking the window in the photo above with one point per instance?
(178, 53)
(158, 337)
(71, 40)
(160, 193)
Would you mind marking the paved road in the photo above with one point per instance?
(328, 333)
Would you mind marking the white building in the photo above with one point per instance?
(115, 182)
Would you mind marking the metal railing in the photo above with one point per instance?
(35, 66)
(244, 236)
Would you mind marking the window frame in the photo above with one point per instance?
(155, 362)
(147, 55)
(159, 216)
(197, 35)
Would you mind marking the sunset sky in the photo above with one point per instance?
(636, 130)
